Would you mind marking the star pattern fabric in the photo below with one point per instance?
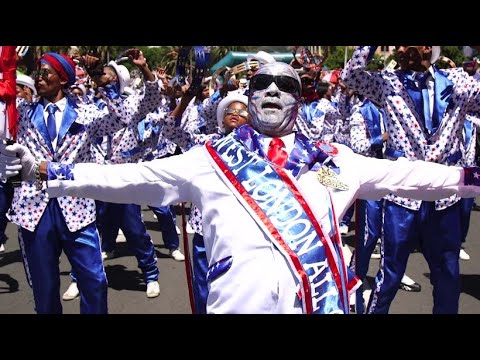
(472, 176)
(406, 133)
(89, 123)
(318, 120)
(469, 141)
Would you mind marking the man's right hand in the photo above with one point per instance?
(16, 159)
(9, 163)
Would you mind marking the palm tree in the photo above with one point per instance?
(169, 61)
(105, 53)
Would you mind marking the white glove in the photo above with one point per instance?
(17, 158)
(9, 163)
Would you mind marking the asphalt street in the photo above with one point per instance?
(127, 290)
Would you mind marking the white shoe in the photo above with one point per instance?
(2, 248)
(177, 255)
(120, 236)
(190, 229)
(463, 255)
(343, 229)
(178, 230)
(376, 252)
(409, 284)
(71, 293)
(153, 289)
(108, 255)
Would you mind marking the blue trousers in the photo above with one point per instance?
(41, 251)
(100, 208)
(166, 218)
(466, 210)
(368, 221)
(439, 235)
(6, 195)
(200, 268)
(348, 216)
(128, 217)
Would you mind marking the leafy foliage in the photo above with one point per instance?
(454, 53)
(336, 57)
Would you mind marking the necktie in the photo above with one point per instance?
(276, 152)
(423, 84)
(420, 97)
(51, 123)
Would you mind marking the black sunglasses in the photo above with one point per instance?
(42, 72)
(284, 83)
(307, 81)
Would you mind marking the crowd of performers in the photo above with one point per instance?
(336, 143)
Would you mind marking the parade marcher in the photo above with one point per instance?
(468, 159)
(25, 91)
(124, 216)
(26, 87)
(425, 112)
(8, 126)
(58, 128)
(368, 135)
(271, 199)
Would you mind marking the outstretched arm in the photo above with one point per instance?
(359, 79)
(419, 180)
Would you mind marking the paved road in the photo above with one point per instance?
(127, 290)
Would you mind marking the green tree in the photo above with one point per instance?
(336, 57)
(454, 53)
(105, 53)
(154, 55)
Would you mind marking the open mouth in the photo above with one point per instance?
(270, 105)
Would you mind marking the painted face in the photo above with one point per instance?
(274, 98)
(414, 58)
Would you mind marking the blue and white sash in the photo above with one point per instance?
(273, 199)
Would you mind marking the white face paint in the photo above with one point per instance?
(273, 111)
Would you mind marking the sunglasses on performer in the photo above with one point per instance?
(242, 113)
(284, 83)
(42, 72)
(307, 81)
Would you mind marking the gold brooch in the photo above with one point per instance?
(328, 177)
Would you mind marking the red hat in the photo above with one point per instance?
(62, 64)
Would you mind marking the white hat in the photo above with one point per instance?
(81, 87)
(123, 75)
(226, 101)
(262, 57)
(435, 54)
(26, 81)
